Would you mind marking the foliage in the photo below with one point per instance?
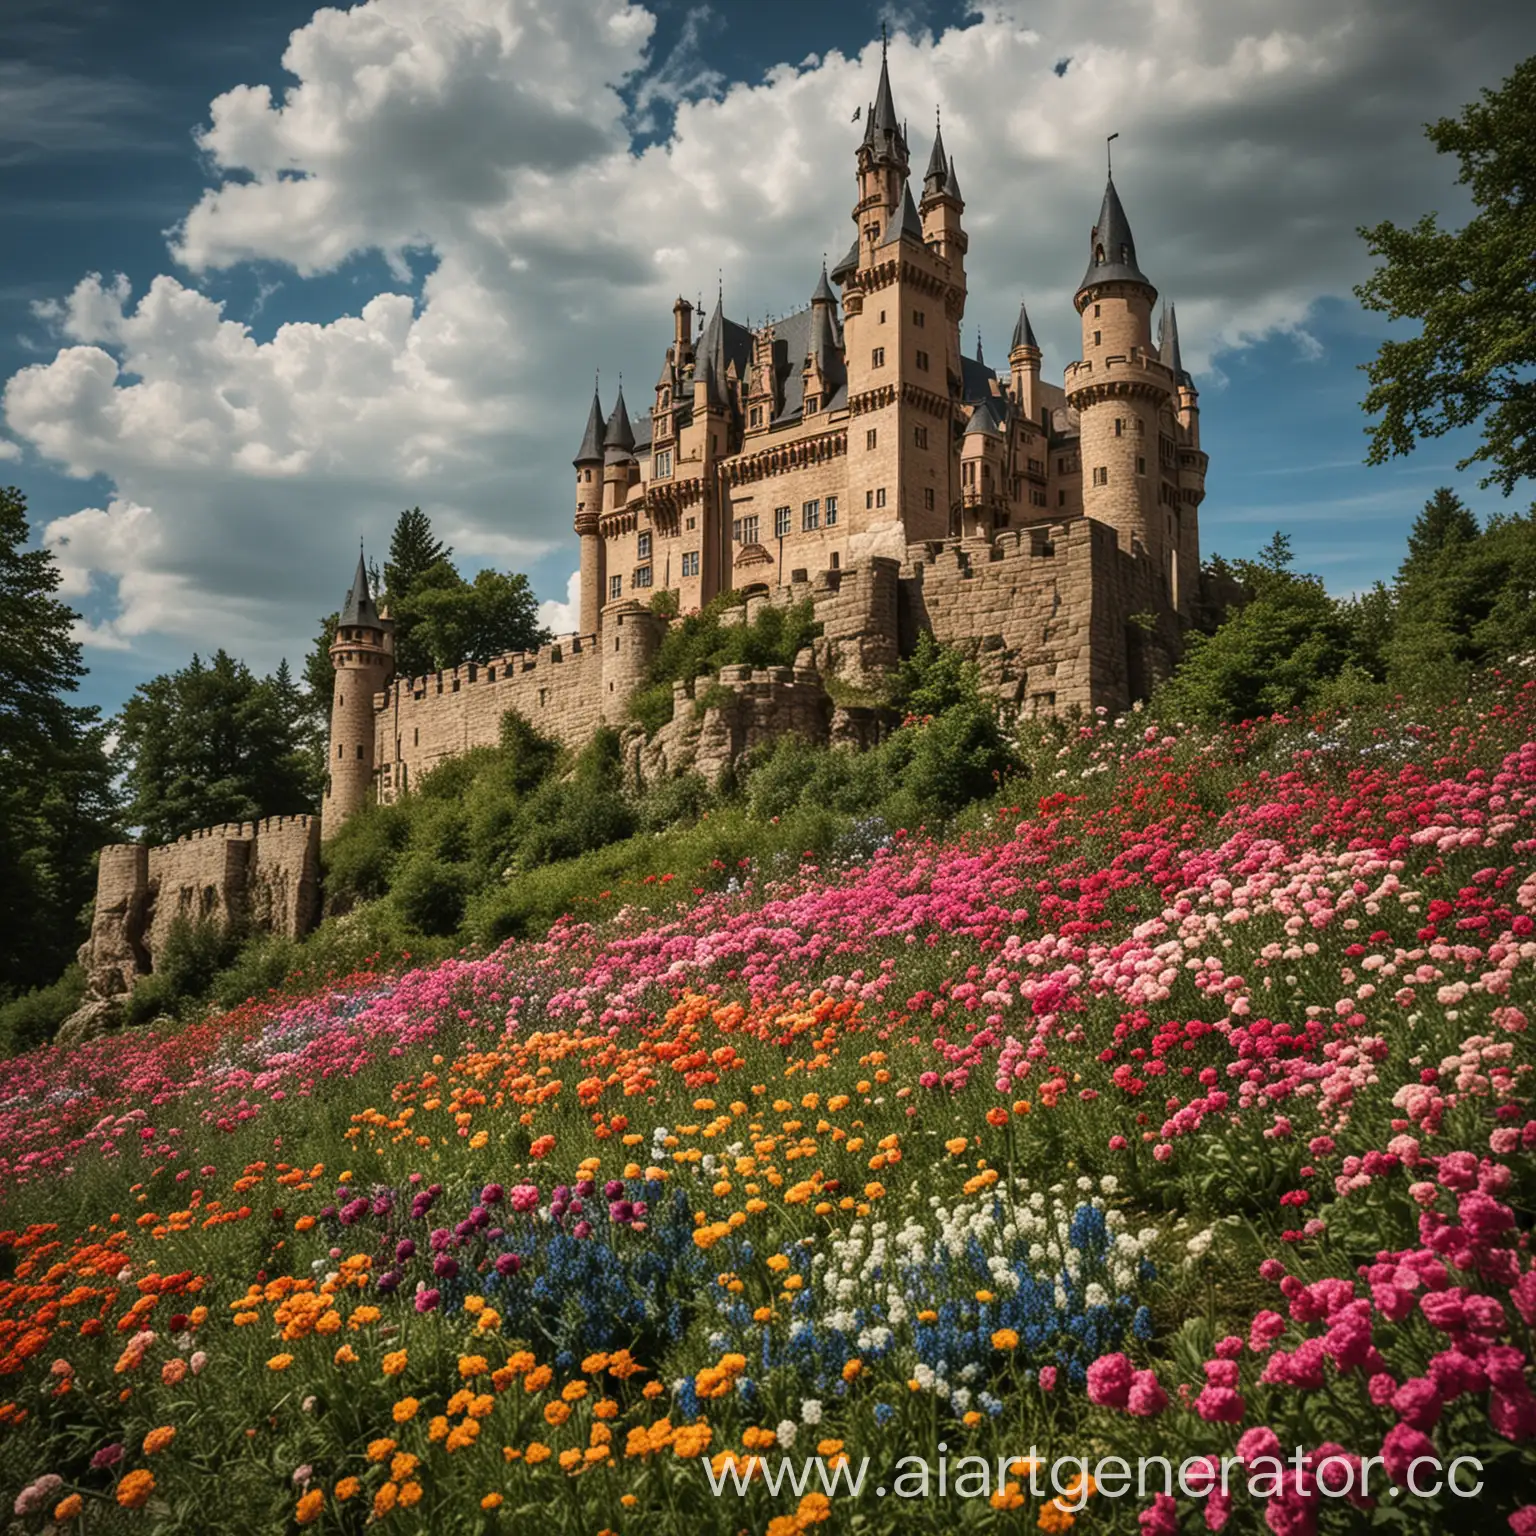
(1471, 290)
(57, 803)
(192, 955)
(30, 1020)
(413, 552)
(455, 621)
(212, 743)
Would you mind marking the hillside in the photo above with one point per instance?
(1184, 1110)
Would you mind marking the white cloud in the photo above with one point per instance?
(563, 618)
(8, 449)
(485, 142)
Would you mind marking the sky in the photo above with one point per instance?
(275, 273)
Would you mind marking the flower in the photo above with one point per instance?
(134, 1489)
(309, 1507)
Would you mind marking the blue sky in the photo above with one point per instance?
(355, 261)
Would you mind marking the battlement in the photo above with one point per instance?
(244, 831)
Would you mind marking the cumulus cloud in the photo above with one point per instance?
(486, 142)
(563, 618)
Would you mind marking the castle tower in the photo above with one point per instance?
(363, 655)
(589, 506)
(882, 165)
(941, 209)
(1024, 367)
(1189, 467)
(1118, 388)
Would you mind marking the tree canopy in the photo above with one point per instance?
(56, 797)
(1471, 291)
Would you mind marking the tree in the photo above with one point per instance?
(56, 799)
(1444, 522)
(1270, 655)
(417, 560)
(1471, 290)
(208, 744)
(456, 620)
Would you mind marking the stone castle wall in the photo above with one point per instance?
(262, 873)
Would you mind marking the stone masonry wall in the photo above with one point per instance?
(264, 872)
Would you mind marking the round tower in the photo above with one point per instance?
(364, 658)
(1024, 367)
(1118, 388)
(589, 505)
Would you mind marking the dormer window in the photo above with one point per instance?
(811, 402)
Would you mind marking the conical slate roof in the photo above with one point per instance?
(848, 264)
(357, 607)
(591, 450)
(904, 221)
(823, 293)
(1023, 332)
(1112, 253)
(1168, 345)
(619, 435)
(952, 183)
(883, 114)
(937, 173)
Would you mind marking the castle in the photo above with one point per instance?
(850, 454)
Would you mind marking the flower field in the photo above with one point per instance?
(1184, 1110)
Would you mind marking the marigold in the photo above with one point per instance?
(491, 1501)
(401, 1465)
(1005, 1338)
(538, 1378)
(379, 1449)
(556, 1413)
(309, 1507)
(405, 1409)
(384, 1500)
(68, 1507)
(347, 1487)
(279, 1362)
(473, 1365)
(574, 1391)
(536, 1453)
(394, 1362)
(158, 1439)
(134, 1490)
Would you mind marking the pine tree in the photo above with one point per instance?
(56, 798)
(1445, 522)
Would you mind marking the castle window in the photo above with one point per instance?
(1096, 336)
(416, 736)
(745, 529)
(615, 588)
(643, 549)
(690, 523)
(920, 436)
(663, 464)
(1097, 307)
(1101, 475)
(869, 500)
(490, 674)
(870, 438)
(642, 576)
(810, 517)
(755, 416)
(1141, 465)
(918, 318)
(811, 402)
(922, 361)
(341, 751)
(691, 563)
(781, 522)
(836, 560)
(1061, 498)
(1037, 498)
(928, 498)
(359, 751)
(882, 317)
(880, 497)
(341, 701)
(1119, 426)
(832, 515)
(877, 357)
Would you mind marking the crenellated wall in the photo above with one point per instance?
(262, 873)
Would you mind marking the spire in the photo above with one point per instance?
(618, 435)
(1112, 252)
(823, 293)
(1168, 345)
(883, 114)
(952, 183)
(979, 357)
(937, 173)
(1023, 332)
(591, 450)
(904, 220)
(357, 608)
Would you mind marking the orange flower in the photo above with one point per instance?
(405, 1409)
(68, 1507)
(491, 1501)
(394, 1362)
(556, 1413)
(309, 1507)
(158, 1439)
(134, 1490)
(347, 1487)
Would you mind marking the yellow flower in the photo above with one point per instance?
(279, 1362)
(309, 1507)
(405, 1409)
(1005, 1338)
(158, 1439)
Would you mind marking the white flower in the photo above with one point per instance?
(785, 1433)
(810, 1411)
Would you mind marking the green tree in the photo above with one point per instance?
(208, 744)
(1445, 522)
(1472, 362)
(56, 800)
(1269, 655)
(453, 620)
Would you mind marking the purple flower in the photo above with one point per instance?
(404, 1249)
(613, 1190)
(426, 1301)
(508, 1264)
(491, 1194)
(445, 1267)
(107, 1456)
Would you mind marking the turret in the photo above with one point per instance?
(589, 506)
(618, 456)
(1024, 366)
(1187, 397)
(1118, 388)
(682, 328)
(364, 658)
(941, 207)
(882, 166)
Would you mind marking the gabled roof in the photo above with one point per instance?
(990, 418)
(591, 450)
(975, 378)
(723, 342)
(904, 222)
(1023, 332)
(357, 607)
(1112, 251)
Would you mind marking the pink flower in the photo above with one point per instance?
(1258, 1442)
(1381, 1387)
(1220, 1405)
(1417, 1402)
(1454, 1373)
(1146, 1398)
(1047, 1378)
(1265, 1328)
(1160, 1518)
(523, 1197)
(1109, 1381)
(1513, 1414)
(1402, 1448)
(1523, 1521)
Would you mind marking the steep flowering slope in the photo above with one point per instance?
(1023, 1138)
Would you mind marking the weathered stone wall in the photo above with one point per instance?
(567, 690)
(265, 873)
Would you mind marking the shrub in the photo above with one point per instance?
(32, 1019)
(193, 954)
(360, 859)
(430, 893)
(684, 798)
